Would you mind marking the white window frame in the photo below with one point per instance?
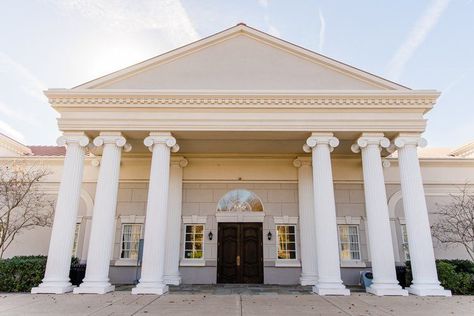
(349, 261)
(188, 221)
(404, 241)
(77, 233)
(129, 220)
(287, 221)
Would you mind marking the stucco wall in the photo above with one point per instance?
(274, 181)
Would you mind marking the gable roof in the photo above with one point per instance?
(242, 30)
(12, 147)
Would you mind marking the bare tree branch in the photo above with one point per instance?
(455, 223)
(23, 205)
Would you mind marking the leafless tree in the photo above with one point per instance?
(455, 222)
(23, 205)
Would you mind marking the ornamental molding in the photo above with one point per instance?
(337, 99)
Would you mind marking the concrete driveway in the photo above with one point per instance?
(123, 303)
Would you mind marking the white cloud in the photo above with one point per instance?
(13, 69)
(322, 31)
(416, 37)
(263, 3)
(8, 130)
(272, 29)
(130, 16)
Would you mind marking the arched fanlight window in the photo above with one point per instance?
(240, 201)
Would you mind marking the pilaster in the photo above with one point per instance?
(309, 271)
(173, 232)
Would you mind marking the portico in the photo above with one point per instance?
(259, 133)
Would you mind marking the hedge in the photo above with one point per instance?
(20, 274)
(456, 275)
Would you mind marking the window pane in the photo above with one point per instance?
(194, 238)
(286, 241)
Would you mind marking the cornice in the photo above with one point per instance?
(424, 99)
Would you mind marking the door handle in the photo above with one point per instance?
(238, 261)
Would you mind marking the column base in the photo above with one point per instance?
(308, 280)
(428, 290)
(331, 289)
(150, 288)
(94, 288)
(172, 279)
(53, 288)
(386, 289)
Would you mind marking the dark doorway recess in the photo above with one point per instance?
(240, 253)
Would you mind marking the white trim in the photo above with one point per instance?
(353, 264)
(285, 220)
(192, 262)
(125, 262)
(240, 217)
(287, 262)
(121, 238)
(349, 220)
(132, 219)
(79, 219)
(290, 263)
(194, 219)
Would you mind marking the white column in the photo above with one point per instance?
(103, 216)
(152, 276)
(378, 222)
(173, 230)
(56, 277)
(425, 277)
(327, 246)
(306, 218)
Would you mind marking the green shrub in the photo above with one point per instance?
(20, 274)
(456, 275)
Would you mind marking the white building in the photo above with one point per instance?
(269, 164)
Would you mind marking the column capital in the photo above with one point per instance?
(321, 139)
(402, 141)
(179, 161)
(370, 139)
(77, 138)
(112, 138)
(161, 138)
(302, 161)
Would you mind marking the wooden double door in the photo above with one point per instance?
(240, 253)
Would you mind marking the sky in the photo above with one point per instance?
(423, 44)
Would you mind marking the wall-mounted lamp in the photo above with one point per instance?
(269, 235)
(210, 235)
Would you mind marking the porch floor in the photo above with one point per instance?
(244, 289)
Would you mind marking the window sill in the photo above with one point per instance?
(192, 263)
(126, 262)
(287, 263)
(353, 264)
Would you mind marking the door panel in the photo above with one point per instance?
(240, 253)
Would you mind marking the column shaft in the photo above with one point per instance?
(327, 246)
(306, 220)
(425, 277)
(103, 219)
(56, 278)
(378, 222)
(152, 275)
(173, 232)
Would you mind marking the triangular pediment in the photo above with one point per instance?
(241, 58)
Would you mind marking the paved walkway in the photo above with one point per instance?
(175, 304)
